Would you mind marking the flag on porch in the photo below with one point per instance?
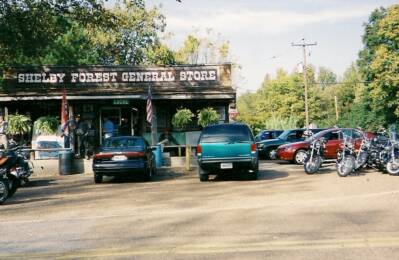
(149, 106)
(64, 113)
(64, 108)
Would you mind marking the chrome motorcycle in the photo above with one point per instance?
(348, 160)
(314, 156)
(392, 165)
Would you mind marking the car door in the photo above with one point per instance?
(334, 139)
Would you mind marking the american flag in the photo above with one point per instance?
(64, 108)
(149, 106)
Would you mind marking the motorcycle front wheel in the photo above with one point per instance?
(312, 166)
(393, 168)
(345, 166)
(3, 190)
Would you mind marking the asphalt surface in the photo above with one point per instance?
(286, 214)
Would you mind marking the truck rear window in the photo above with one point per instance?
(226, 133)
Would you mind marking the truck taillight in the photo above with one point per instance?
(199, 150)
(253, 148)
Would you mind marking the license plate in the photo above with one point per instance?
(119, 158)
(226, 166)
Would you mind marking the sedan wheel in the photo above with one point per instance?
(300, 157)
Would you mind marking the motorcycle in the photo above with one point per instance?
(314, 156)
(4, 187)
(379, 153)
(348, 160)
(15, 170)
(392, 165)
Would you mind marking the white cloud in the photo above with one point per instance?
(251, 21)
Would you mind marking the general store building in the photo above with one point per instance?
(119, 93)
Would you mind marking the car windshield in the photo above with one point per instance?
(123, 142)
(316, 136)
(284, 134)
(226, 133)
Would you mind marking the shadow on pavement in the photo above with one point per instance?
(272, 175)
(23, 201)
(162, 175)
(41, 183)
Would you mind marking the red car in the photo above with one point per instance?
(296, 152)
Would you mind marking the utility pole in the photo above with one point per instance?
(304, 44)
(336, 108)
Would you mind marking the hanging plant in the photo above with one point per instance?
(207, 116)
(46, 125)
(182, 118)
(19, 124)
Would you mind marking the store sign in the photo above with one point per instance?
(120, 102)
(98, 77)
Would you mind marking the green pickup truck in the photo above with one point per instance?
(227, 148)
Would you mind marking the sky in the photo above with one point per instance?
(261, 32)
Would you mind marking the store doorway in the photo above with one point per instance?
(114, 115)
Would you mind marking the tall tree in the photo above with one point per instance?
(379, 62)
(29, 27)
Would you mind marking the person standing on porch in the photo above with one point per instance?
(108, 128)
(3, 132)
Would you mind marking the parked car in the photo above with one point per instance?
(268, 134)
(227, 148)
(267, 148)
(124, 155)
(296, 152)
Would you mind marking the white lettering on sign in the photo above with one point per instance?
(41, 77)
(197, 75)
(193, 75)
(154, 76)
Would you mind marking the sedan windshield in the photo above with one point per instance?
(123, 142)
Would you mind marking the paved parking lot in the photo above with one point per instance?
(286, 214)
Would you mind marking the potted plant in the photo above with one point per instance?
(182, 118)
(207, 116)
(19, 125)
(46, 125)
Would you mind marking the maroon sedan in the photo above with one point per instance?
(296, 152)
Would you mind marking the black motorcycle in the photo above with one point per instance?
(4, 186)
(15, 170)
(379, 152)
(314, 156)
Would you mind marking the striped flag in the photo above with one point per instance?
(149, 106)
(64, 108)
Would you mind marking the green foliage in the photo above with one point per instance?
(78, 32)
(379, 62)
(207, 116)
(46, 125)
(29, 29)
(182, 118)
(19, 124)
(290, 122)
(208, 49)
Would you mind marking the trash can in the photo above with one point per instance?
(158, 155)
(65, 162)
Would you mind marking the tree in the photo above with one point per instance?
(379, 63)
(211, 48)
(326, 77)
(74, 32)
(134, 39)
(30, 28)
